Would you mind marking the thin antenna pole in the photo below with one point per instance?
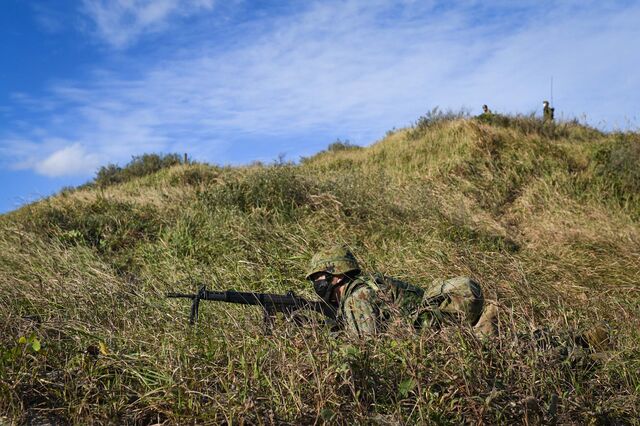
(551, 90)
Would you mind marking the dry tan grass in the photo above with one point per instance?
(522, 208)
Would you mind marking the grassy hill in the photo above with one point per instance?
(546, 217)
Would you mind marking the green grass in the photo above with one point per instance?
(544, 216)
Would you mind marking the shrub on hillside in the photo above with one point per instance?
(109, 226)
(340, 145)
(279, 189)
(624, 159)
(141, 165)
(434, 117)
(532, 125)
(528, 124)
(618, 167)
(364, 197)
(196, 175)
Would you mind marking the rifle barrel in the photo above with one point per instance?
(182, 295)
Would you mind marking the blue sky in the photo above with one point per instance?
(89, 82)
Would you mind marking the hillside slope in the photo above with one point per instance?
(545, 217)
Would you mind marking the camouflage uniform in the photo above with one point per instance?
(486, 116)
(369, 302)
(547, 112)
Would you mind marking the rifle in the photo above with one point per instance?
(287, 303)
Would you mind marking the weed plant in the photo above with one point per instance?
(142, 165)
(547, 222)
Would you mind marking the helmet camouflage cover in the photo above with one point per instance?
(336, 260)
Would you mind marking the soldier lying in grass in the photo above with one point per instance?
(366, 304)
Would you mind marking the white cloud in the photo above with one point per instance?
(121, 22)
(68, 161)
(349, 69)
(346, 63)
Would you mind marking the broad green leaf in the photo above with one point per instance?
(35, 344)
(406, 386)
(327, 414)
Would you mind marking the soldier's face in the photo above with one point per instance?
(325, 284)
(322, 285)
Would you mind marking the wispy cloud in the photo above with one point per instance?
(120, 22)
(351, 69)
(71, 160)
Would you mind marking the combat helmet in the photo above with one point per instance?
(335, 260)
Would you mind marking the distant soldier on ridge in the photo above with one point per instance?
(547, 112)
(486, 113)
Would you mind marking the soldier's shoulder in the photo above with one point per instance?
(363, 292)
(373, 283)
(358, 297)
(361, 282)
(361, 286)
